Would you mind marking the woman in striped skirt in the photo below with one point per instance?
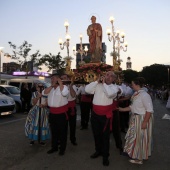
(139, 142)
(38, 128)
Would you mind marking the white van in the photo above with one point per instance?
(30, 81)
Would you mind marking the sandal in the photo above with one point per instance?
(136, 161)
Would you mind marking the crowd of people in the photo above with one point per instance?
(111, 109)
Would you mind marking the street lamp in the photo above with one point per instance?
(118, 39)
(66, 43)
(0, 62)
(67, 37)
(81, 51)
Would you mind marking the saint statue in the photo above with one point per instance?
(94, 31)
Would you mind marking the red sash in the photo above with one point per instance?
(59, 110)
(72, 105)
(103, 110)
(86, 98)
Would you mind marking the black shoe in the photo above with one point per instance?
(52, 151)
(121, 151)
(74, 143)
(105, 162)
(95, 155)
(124, 131)
(32, 143)
(61, 153)
(59, 143)
(42, 143)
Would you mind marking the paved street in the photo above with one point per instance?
(17, 154)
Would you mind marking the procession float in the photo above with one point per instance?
(89, 71)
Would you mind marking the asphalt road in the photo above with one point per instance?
(17, 154)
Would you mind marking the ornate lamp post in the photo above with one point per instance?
(66, 43)
(118, 39)
(81, 51)
(1, 48)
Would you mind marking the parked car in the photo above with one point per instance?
(7, 105)
(13, 92)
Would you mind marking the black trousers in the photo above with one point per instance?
(85, 108)
(116, 129)
(124, 116)
(72, 124)
(26, 105)
(59, 126)
(101, 133)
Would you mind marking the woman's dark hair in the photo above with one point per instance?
(139, 81)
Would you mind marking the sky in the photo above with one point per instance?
(146, 24)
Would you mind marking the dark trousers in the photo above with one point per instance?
(101, 133)
(26, 105)
(59, 126)
(85, 108)
(124, 116)
(72, 124)
(116, 129)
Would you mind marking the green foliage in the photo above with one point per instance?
(35, 59)
(21, 54)
(53, 62)
(129, 75)
(156, 74)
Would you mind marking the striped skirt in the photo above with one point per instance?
(32, 124)
(139, 142)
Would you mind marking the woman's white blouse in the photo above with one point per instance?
(141, 103)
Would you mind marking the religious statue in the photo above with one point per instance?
(94, 31)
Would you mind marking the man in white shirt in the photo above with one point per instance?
(72, 113)
(104, 93)
(58, 104)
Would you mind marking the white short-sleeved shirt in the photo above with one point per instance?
(141, 103)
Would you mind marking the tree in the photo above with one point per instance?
(53, 62)
(155, 74)
(129, 75)
(21, 54)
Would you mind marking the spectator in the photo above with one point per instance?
(25, 96)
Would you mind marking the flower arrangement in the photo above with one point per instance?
(96, 68)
